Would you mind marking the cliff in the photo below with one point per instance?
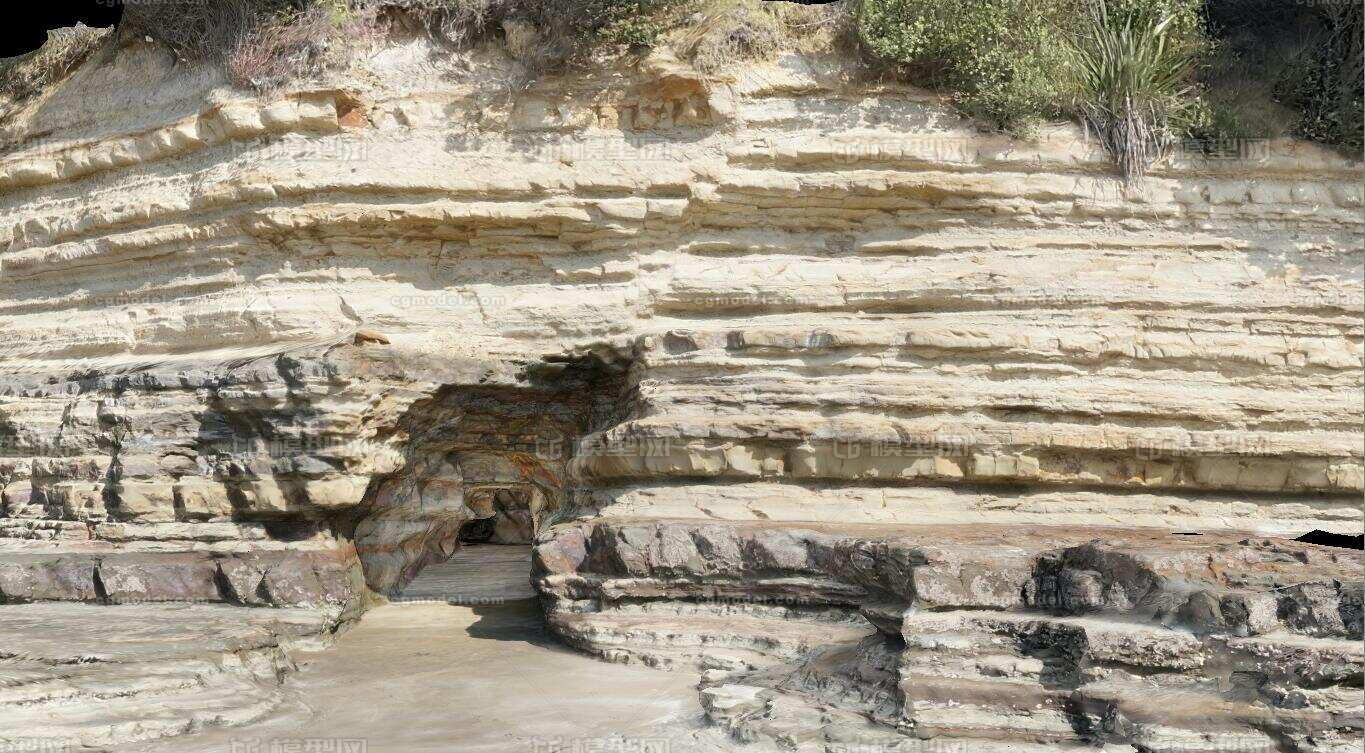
(793, 376)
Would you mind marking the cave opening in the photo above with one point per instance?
(486, 469)
(462, 509)
(491, 564)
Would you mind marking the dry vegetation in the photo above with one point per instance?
(722, 33)
(27, 75)
(262, 42)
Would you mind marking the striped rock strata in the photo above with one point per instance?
(796, 378)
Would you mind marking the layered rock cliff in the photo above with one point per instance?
(895, 428)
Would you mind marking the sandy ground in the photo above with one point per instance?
(414, 677)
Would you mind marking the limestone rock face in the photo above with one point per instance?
(894, 429)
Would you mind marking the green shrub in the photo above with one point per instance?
(1125, 67)
(634, 28)
(999, 59)
(1133, 63)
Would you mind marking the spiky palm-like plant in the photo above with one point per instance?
(1133, 73)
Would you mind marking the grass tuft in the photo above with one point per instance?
(1133, 73)
(727, 31)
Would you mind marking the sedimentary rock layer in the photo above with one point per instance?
(778, 334)
(1143, 640)
(88, 677)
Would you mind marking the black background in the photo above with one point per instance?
(25, 26)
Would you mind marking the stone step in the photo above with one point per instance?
(957, 720)
(696, 634)
(475, 575)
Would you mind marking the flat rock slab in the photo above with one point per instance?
(87, 677)
(481, 574)
(67, 633)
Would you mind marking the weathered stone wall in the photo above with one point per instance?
(670, 311)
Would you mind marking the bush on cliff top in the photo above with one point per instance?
(1140, 73)
(1287, 69)
(1331, 93)
(202, 31)
(713, 33)
(720, 33)
(1014, 63)
(561, 28)
(998, 59)
(262, 42)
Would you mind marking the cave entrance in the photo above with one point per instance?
(493, 562)
(456, 512)
(483, 466)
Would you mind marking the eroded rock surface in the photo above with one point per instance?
(1056, 635)
(88, 677)
(893, 429)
